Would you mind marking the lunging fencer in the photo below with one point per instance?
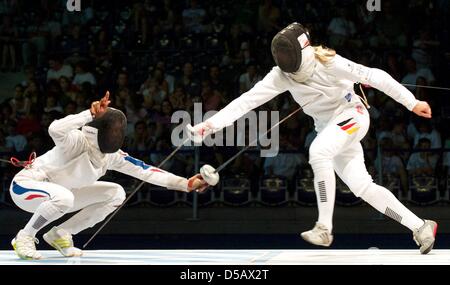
(64, 179)
(322, 83)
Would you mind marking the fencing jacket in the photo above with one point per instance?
(76, 160)
(324, 96)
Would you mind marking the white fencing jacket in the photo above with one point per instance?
(324, 96)
(76, 160)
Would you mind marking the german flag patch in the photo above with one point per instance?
(348, 126)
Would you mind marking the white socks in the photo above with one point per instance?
(325, 188)
(385, 202)
(377, 196)
(44, 214)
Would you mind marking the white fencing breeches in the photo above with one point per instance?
(49, 202)
(338, 148)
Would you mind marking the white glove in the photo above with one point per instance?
(199, 132)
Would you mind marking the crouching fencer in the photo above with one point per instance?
(322, 83)
(64, 179)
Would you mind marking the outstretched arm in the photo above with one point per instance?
(124, 163)
(261, 93)
(381, 80)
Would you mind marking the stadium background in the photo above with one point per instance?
(157, 57)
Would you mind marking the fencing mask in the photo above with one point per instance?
(111, 130)
(293, 53)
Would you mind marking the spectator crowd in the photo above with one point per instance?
(157, 57)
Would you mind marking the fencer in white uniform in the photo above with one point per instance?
(322, 83)
(64, 180)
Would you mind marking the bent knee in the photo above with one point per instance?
(63, 200)
(360, 187)
(116, 195)
(318, 153)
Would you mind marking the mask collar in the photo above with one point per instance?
(307, 67)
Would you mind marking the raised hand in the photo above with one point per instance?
(98, 108)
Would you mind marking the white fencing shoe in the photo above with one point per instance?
(319, 235)
(61, 240)
(425, 236)
(24, 246)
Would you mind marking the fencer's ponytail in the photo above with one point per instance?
(324, 54)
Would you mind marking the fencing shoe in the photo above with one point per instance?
(61, 240)
(319, 235)
(24, 246)
(425, 236)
